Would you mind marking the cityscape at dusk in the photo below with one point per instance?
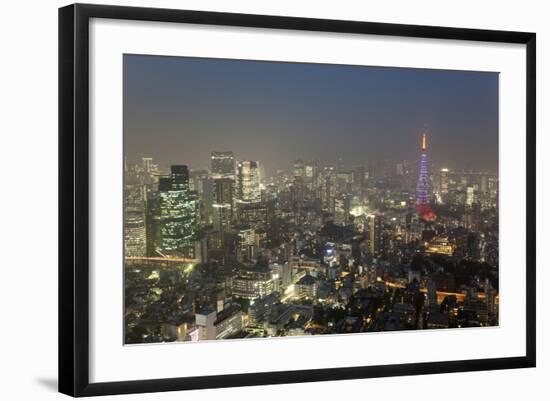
(272, 199)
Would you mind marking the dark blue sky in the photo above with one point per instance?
(178, 109)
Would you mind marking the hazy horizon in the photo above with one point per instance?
(179, 109)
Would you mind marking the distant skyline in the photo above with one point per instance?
(178, 109)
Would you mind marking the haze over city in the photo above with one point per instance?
(179, 109)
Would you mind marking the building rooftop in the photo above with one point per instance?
(227, 313)
(307, 280)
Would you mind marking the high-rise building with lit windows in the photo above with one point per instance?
(222, 164)
(328, 183)
(310, 172)
(299, 169)
(147, 164)
(135, 203)
(222, 207)
(247, 244)
(374, 234)
(444, 181)
(178, 210)
(248, 181)
(135, 240)
(469, 196)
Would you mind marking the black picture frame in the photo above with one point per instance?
(74, 198)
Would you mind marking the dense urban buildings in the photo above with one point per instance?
(269, 199)
(314, 249)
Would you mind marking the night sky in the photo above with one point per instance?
(177, 110)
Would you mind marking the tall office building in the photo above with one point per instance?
(222, 164)
(359, 181)
(152, 223)
(248, 181)
(135, 203)
(310, 172)
(247, 244)
(299, 169)
(147, 165)
(344, 180)
(297, 192)
(374, 234)
(342, 208)
(149, 174)
(256, 215)
(180, 177)
(135, 240)
(444, 181)
(484, 183)
(178, 212)
(328, 183)
(469, 196)
(201, 183)
(222, 207)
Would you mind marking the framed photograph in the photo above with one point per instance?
(250, 199)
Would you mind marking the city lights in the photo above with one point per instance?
(229, 253)
(310, 200)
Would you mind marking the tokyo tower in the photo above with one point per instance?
(422, 198)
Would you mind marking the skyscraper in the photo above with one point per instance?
(374, 234)
(180, 177)
(359, 180)
(342, 208)
(147, 164)
(297, 192)
(483, 183)
(246, 247)
(328, 188)
(469, 196)
(299, 169)
(178, 212)
(310, 175)
(223, 206)
(135, 243)
(222, 164)
(135, 203)
(422, 189)
(444, 181)
(201, 183)
(248, 181)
